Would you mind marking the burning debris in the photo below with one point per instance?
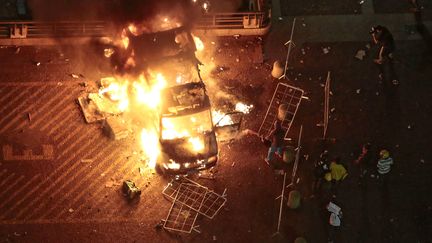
(158, 98)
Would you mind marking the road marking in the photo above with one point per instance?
(24, 122)
(19, 190)
(123, 169)
(47, 153)
(56, 124)
(48, 177)
(47, 189)
(84, 178)
(18, 108)
(11, 102)
(7, 178)
(9, 94)
(58, 98)
(70, 135)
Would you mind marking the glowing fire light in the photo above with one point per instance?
(243, 107)
(150, 146)
(108, 52)
(197, 144)
(198, 43)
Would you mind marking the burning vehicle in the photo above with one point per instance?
(162, 100)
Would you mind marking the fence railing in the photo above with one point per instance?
(33, 29)
(240, 20)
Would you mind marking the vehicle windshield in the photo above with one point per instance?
(174, 127)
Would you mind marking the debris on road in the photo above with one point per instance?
(358, 91)
(360, 54)
(71, 210)
(131, 190)
(86, 161)
(18, 50)
(75, 75)
(29, 118)
(37, 63)
(326, 50)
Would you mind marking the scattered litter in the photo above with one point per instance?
(75, 76)
(409, 127)
(59, 83)
(303, 51)
(206, 175)
(361, 2)
(326, 50)
(213, 43)
(18, 50)
(298, 180)
(237, 60)
(322, 85)
(236, 36)
(360, 54)
(332, 109)
(83, 84)
(331, 93)
(86, 160)
(109, 184)
(232, 165)
(214, 237)
(377, 93)
(71, 210)
(368, 46)
(358, 91)
(303, 24)
(280, 18)
(37, 63)
(422, 161)
(305, 97)
(103, 174)
(29, 118)
(372, 176)
(17, 234)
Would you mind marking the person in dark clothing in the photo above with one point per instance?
(321, 167)
(384, 39)
(276, 137)
(364, 160)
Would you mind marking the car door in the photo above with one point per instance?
(228, 127)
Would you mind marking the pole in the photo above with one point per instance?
(294, 171)
(281, 204)
(289, 43)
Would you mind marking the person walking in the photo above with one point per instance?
(384, 39)
(276, 137)
(384, 166)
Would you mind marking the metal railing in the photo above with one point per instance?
(34, 29)
(240, 20)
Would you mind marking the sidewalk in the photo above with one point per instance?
(340, 28)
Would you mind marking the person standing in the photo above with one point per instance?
(384, 166)
(320, 169)
(364, 160)
(338, 173)
(276, 137)
(384, 39)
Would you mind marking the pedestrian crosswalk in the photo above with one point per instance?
(61, 188)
